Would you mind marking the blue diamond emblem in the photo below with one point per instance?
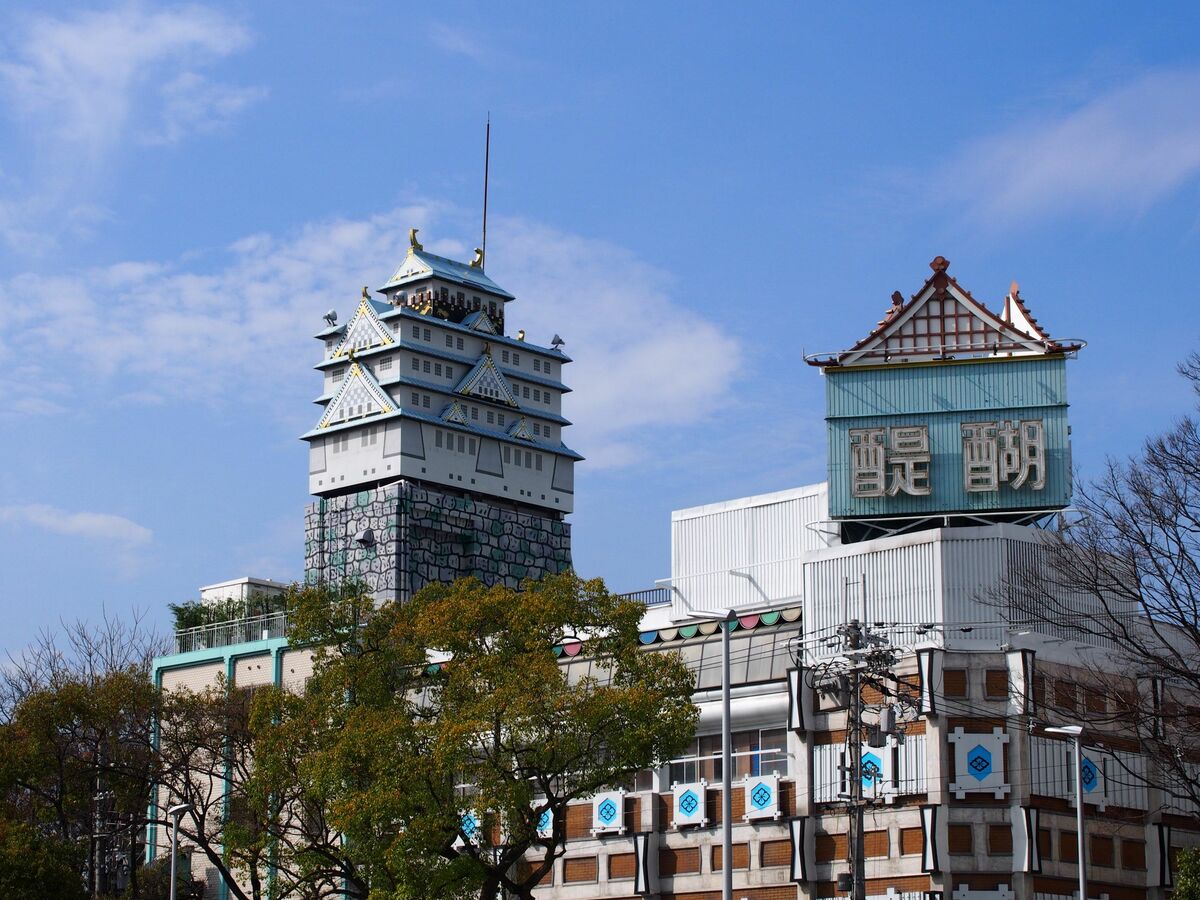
(1091, 775)
(607, 811)
(544, 821)
(872, 769)
(469, 825)
(760, 796)
(979, 761)
(689, 803)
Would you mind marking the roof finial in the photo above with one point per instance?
(939, 264)
(366, 294)
(477, 262)
(897, 298)
(521, 335)
(413, 243)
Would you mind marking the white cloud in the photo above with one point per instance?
(242, 331)
(92, 526)
(1119, 152)
(458, 42)
(82, 85)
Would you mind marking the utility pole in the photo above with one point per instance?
(852, 633)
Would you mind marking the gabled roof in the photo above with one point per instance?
(454, 412)
(520, 429)
(941, 321)
(485, 381)
(419, 263)
(480, 321)
(359, 397)
(364, 329)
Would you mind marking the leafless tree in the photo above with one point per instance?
(1125, 579)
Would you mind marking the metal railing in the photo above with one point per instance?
(234, 631)
(275, 625)
(659, 596)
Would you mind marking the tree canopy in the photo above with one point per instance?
(426, 717)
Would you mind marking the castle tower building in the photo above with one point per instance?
(439, 450)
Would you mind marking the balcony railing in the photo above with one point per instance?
(275, 625)
(234, 631)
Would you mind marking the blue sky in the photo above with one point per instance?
(691, 195)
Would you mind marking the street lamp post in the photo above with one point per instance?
(1076, 732)
(175, 812)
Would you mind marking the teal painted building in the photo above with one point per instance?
(949, 409)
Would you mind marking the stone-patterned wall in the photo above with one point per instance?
(423, 535)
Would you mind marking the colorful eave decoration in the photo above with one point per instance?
(693, 631)
(943, 321)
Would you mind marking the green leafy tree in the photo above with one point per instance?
(1187, 875)
(34, 865)
(420, 712)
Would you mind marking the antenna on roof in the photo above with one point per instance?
(487, 154)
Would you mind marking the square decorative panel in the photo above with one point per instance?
(689, 804)
(979, 763)
(762, 797)
(608, 812)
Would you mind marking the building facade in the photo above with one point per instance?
(888, 715)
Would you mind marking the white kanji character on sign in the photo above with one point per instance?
(908, 460)
(999, 451)
(866, 462)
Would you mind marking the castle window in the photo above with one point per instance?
(546, 368)
(458, 342)
(437, 369)
(516, 359)
(385, 364)
(337, 375)
(500, 419)
(449, 371)
(537, 395)
(417, 332)
(528, 460)
(474, 412)
(425, 401)
(425, 366)
(537, 429)
(471, 448)
(525, 392)
(449, 340)
(546, 397)
(507, 453)
(416, 399)
(459, 296)
(504, 356)
(462, 444)
(537, 461)
(491, 418)
(537, 364)
(416, 363)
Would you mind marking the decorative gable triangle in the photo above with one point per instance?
(480, 321)
(454, 412)
(358, 397)
(943, 320)
(486, 382)
(365, 330)
(520, 429)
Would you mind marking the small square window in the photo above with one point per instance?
(528, 460)
(537, 395)
(416, 399)
(416, 332)
(471, 450)
(449, 371)
(516, 359)
(437, 369)
(416, 364)
(428, 336)
(437, 438)
(425, 366)
(462, 444)
(546, 368)
(537, 364)
(525, 392)
(537, 460)
(474, 412)
(337, 375)
(425, 401)
(507, 453)
(449, 340)
(504, 356)
(385, 364)
(458, 343)
(491, 418)
(500, 419)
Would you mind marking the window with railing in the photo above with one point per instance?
(757, 751)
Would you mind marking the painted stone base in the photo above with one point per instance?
(422, 536)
